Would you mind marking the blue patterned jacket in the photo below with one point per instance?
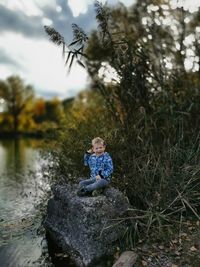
(99, 165)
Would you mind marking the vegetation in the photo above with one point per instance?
(17, 97)
(23, 113)
(146, 110)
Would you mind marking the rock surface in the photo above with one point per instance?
(87, 228)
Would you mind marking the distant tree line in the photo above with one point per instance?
(24, 113)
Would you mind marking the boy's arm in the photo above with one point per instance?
(86, 158)
(108, 168)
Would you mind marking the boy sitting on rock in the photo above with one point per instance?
(101, 168)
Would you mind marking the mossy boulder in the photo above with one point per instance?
(87, 228)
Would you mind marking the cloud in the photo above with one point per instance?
(20, 22)
(6, 59)
(79, 6)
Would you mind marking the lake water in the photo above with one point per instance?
(23, 188)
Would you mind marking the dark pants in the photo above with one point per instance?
(91, 185)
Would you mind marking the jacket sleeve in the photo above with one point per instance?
(108, 168)
(86, 158)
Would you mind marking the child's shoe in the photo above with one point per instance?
(83, 192)
(97, 192)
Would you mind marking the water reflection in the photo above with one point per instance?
(22, 189)
(21, 181)
(19, 155)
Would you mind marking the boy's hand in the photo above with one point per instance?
(90, 151)
(98, 177)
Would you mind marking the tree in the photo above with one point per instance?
(17, 95)
(54, 110)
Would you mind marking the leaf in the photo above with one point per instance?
(80, 63)
(80, 49)
(191, 228)
(69, 53)
(144, 263)
(70, 65)
(193, 248)
(183, 234)
(75, 54)
(82, 54)
(74, 42)
(63, 50)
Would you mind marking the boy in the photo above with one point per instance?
(101, 168)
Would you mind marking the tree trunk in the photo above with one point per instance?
(15, 124)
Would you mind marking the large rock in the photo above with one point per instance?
(87, 228)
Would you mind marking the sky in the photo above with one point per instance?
(25, 49)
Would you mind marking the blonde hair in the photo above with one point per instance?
(98, 140)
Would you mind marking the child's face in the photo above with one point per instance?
(98, 149)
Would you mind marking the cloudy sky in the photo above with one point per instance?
(25, 49)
